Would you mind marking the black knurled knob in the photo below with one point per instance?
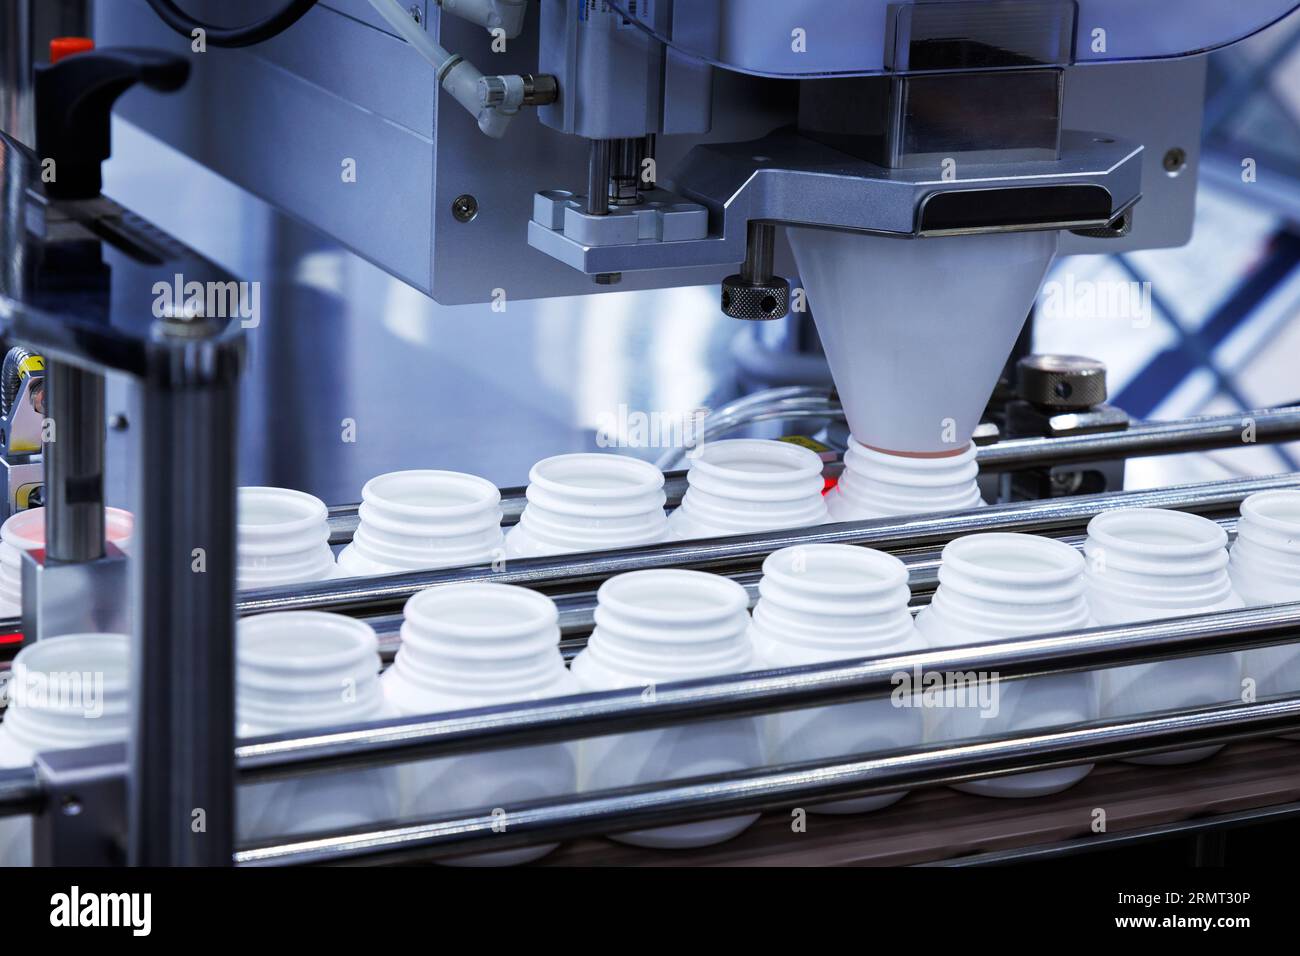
(755, 301)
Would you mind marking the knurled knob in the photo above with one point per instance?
(1066, 382)
(755, 301)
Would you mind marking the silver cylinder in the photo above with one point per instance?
(74, 465)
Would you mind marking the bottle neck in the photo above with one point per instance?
(833, 598)
(304, 669)
(1264, 562)
(68, 692)
(753, 485)
(670, 625)
(1005, 585)
(411, 520)
(283, 538)
(1150, 562)
(876, 484)
(493, 641)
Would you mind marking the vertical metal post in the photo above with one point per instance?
(26, 28)
(16, 70)
(182, 744)
(74, 465)
(598, 177)
(624, 168)
(760, 252)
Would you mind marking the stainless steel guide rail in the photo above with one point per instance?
(568, 573)
(778, 787)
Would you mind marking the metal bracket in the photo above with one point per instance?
(83, 822)
(75, 597)
(786, 178)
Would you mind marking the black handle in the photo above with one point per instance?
(74, 105)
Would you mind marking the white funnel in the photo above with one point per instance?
(917, 330)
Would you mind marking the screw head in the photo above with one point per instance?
(1174, 161)
(416, 14)
(464, 207)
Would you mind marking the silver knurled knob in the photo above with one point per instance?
(1066, 382)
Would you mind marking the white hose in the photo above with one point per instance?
(457, 76)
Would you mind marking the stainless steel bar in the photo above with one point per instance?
(759, 252)
(20, 791)
(598, 160)
(181, 787)
(74, 465)
(16, 34)
(772, 788)
(1140, 439)
(746, 552)
(1265, 425)
(757, 692)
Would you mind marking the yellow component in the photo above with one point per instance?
(32, 363)
(23, 497)
(806, 442)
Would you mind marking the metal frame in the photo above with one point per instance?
(186, 372)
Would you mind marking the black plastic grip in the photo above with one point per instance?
(74, 105)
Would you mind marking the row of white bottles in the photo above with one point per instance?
(415, 520)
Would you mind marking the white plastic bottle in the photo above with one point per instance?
(1264, 565)
(658, 626)
(1145, 564)
(589, 502)
(745, 485)
(997, 587)
(414, 520)
(831, 602)
(298, 670)
(283, 538)
(25, 531)
(64, 693)
(876, 484)
(477, 645)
